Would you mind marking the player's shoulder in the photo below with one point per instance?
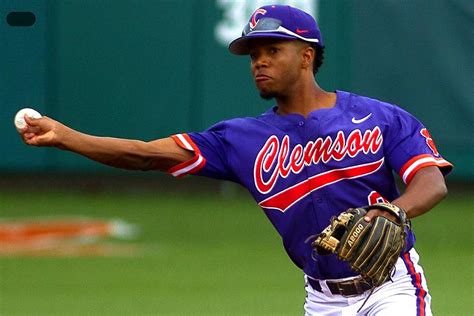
(359, 101)
(264, 118)
(237, 124)
(240, 121)
(361, 108)
(359, 104)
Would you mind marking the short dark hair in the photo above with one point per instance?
(318, 60)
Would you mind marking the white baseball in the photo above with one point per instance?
(20, 117)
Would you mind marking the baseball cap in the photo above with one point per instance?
(277, 21)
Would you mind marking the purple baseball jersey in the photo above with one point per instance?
(302, 171)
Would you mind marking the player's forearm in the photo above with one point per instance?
(115, 152)
(426, 189)
(160, 154)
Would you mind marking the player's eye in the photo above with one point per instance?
(253, 54)
(273, 50)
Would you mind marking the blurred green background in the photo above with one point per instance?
(147, 69)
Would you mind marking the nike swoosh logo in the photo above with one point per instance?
(358, 121)
(301, 31)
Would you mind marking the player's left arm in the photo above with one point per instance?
(426, 189)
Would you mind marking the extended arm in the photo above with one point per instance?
(160, 154)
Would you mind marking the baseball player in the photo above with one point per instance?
(309, 157)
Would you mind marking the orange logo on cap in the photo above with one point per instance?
(254, 20)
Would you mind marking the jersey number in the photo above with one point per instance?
(429, 141)
(375, 197)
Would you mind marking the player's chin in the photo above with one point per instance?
(267, 94)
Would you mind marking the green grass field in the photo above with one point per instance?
(203, 255)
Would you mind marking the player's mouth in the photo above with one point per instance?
(261, 78)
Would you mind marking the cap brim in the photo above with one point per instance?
(240, 46)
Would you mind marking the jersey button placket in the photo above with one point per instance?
(306, 136)
(320, 204)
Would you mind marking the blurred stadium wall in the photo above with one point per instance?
(147, 69)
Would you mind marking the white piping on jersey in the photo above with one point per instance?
(185, 142)
(417, 163)
(188, 168)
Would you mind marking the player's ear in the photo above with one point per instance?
(307, 55)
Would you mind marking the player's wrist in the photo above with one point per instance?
(67, 138)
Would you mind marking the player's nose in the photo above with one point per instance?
(259, 61)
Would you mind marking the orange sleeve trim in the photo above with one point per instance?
(411, 167)
(191, 166)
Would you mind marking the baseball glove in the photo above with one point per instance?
(370, 248)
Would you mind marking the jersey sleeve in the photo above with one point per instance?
(409, 146)
(210, 153)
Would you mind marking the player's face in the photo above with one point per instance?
(275, 66)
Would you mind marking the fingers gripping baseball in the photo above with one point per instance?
(42, 131)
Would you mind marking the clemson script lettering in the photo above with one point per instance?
(275, 160)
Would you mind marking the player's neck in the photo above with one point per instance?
(305, 100)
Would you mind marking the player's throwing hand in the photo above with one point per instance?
(43, 131)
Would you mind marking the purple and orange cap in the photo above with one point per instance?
(277, 21)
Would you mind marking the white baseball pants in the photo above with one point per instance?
(407, 295)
